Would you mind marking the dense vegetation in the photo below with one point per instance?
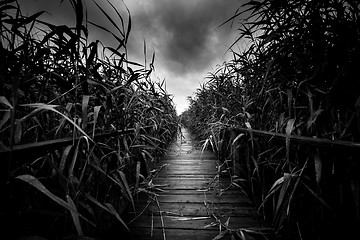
(56, 85)
(295, 71)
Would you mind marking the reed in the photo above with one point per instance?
(57, 84)
(293, 72)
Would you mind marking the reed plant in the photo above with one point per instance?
(293, 73)
(55, 85)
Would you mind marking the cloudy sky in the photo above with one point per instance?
(183, 33)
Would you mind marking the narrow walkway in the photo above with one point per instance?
(188, 205)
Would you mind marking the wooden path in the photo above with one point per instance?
(188, 205)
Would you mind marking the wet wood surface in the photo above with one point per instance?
(192, 200)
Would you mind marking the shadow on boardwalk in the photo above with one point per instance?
(188, 205)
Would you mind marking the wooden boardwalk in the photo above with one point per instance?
(188, 205)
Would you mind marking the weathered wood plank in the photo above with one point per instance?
(195, 185)
(203, 198)
(186, 155)
(197, 222)
(189, 171)
(193, 180)
(193, 157)
(177, 162)
(198, 209)
(174, 234)
(175, 168)
(209, 191)
(172, 176)
(187, 186)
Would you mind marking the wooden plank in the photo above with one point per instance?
(174, 167)
(184, 168)
(195, 179)
(188, 176)
(184, 186)
(174, 234)
(190, 186)
(229, 199)
(198, 209)
(197, 162)
(201, 179)
(188, 171)
(183, 175)
(188, 234)
(187, 166)
(197, 222)
(186, 181)
(193, 157)
(208, 191)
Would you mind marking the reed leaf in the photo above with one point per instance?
(84, 108)
(318, 167)
(108, 208)
(96, 115)
(125, 183)
(39, 186)
(18, 133)
(64, 157)
(6, 117)
(112, 210)
(5, 102)
(109, 18)
(75, 156)
(75, 215)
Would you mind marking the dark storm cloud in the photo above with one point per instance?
(185, 32)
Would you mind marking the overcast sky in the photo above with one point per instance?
(183, 33)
